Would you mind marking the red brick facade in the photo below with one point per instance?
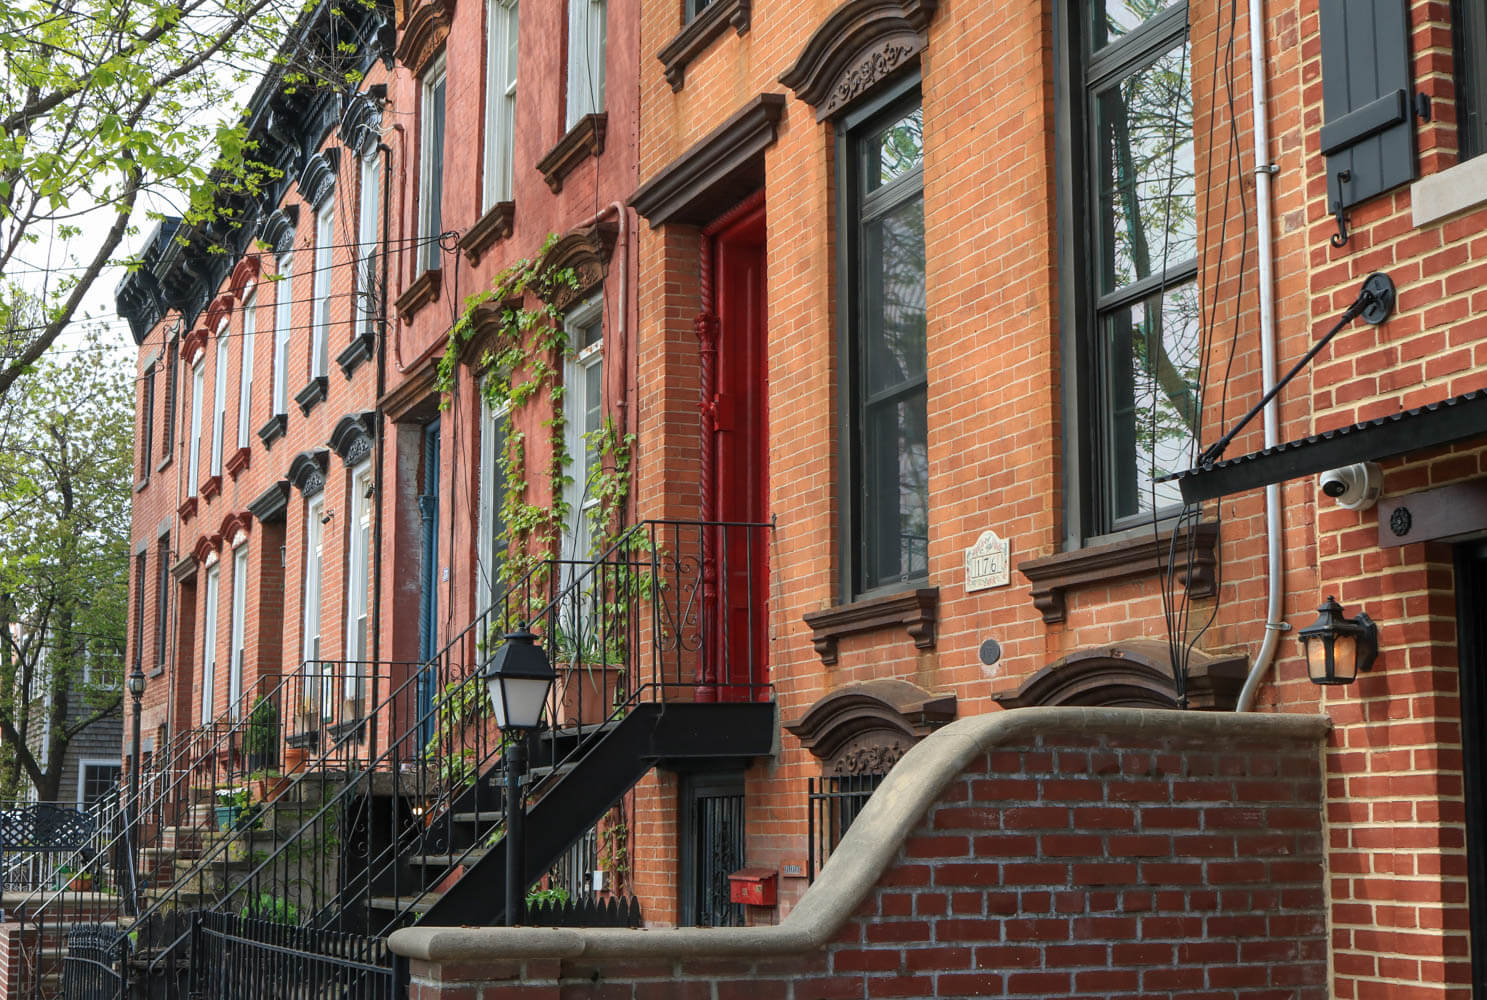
(1002, 350)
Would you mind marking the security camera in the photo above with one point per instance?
(1355, 487)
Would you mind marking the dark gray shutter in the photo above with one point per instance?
(1369, 135)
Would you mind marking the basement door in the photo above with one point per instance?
(1471, 634)
(739, 482)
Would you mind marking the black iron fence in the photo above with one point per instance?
(235, 956)
(96, 964)
(832, 805)
(46, 844)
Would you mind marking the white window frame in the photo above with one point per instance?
(209, 641)
(578, 531)
(314, 577)
(219, 400)
(430, 215)
(198, 389)
(358, 577)
(82, 772)
(238, 626)
(492, 495)
(283, 323)
(501, 20)
(245, 372)
(325, 217)
(366, 242)
(586, 45)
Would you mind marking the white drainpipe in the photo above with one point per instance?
(1274, 625)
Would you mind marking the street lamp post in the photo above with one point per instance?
(517, 680)
(136, 685)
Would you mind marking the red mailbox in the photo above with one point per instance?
(754, 886)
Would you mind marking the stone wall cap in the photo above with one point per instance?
(869, 847)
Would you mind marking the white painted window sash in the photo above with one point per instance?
(283, 320)
(324, 236)
(235, 646)
(209, 644)
(245, 375)
(500, 102)
(193, 461)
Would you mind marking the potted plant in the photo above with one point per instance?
(590, 679)
(234, 810)
(261, 743)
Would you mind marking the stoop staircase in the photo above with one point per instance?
(399, 819)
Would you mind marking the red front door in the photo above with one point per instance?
(740, 483)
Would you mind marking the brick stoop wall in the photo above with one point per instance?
(1048, 852)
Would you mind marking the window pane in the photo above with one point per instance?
(894, 297)
(896, 508)
(894, 151)
(1148, 205)
(1152, 385)
(1111, 19)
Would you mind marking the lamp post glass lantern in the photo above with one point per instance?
(136, 686)
(517, 679)
(1337, 647)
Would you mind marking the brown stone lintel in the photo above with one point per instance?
(493, 226)
(583, 140)
(273, 429)
(312, 394)
(698, 33)
(1430, 515)
(238, 461)
(716, 172)
(211, 487)
(1140, 555)
(184, 568)
(187, 509)
(425, 289)
(416, 398)
(861, 44)
(915, 610)
(1132, 673)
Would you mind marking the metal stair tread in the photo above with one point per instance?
(399, 904)
(434, 860)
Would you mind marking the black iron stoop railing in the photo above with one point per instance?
(196, 800)
(670, 614)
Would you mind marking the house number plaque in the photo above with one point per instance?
(987, 562)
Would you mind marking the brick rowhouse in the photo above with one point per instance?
(885, 364)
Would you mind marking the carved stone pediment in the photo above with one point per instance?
(1136, 673)
(861, 43)
(864, 728)
(424, 27)
(318, 179)
(277, 230)
(307, 471)
(587, 252)
(352, 437)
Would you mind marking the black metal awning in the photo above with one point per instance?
(1444, 422)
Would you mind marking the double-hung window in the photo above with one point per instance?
(586, 28)
(238, 628)
(885, 421)
(162, 602)
(366, 244)
(283, 320)
(209, 644)
(193, 460)
(140, 582)
(360, 557)
(583, 400)
(147, 415)
(500, 99)
(245, 373)
(431, 164)
(324, 238)
(219, 401)
(492, 542)
(168, 424)
(1470, 20)
(310, 632)
(1129, 264)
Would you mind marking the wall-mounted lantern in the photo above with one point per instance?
(1338, 647)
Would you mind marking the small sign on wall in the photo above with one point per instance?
(988, 562)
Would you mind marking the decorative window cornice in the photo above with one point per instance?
(425, 289)
(861, 44)
(206, 546)
(494, 225)
(313, 393)
(859, 726)
(586, 251)
(318, 179)
(307, 471)
(277, 231)
(359, 350)
(916, 611)
(270, 505)
(424, 30)
(361, 124)
(583, 140)
(352, 437)
(1143, 554)
(234, 524)
(697, 34)
(273, 429)
(219, 310)
(717, 172)
(1136, 673)
(244, 276)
